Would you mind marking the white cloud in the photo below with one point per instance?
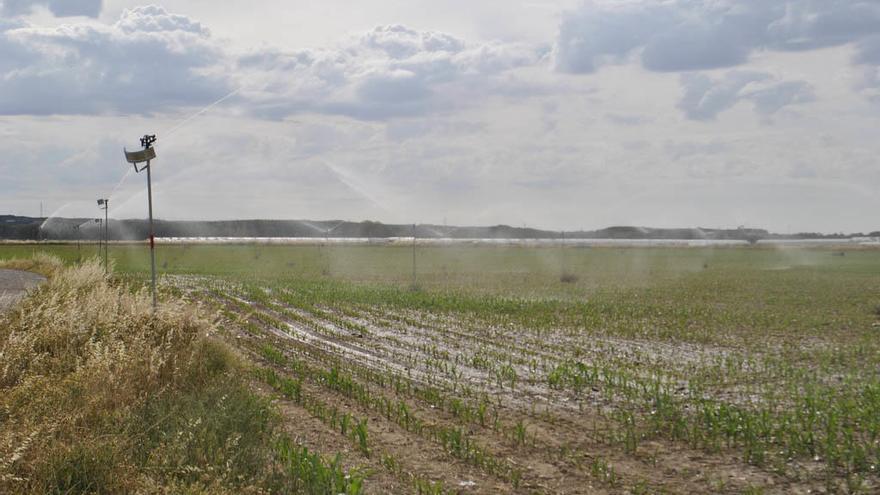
(387, 72)
(155, 19)
(148, 61)
(399, 42)
(151, 60)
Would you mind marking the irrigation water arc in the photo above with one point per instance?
(167, 134)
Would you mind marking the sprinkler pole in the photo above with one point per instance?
(145, 156)
(152, 235)
(414, 256)
(104, 204)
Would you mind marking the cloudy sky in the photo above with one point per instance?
(562, 114)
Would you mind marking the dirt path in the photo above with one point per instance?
(14, 284)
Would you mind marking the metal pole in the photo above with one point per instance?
(152, 236)
(562, 254)
(414, 256)
(106, 234)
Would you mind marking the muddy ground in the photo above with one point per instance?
(444, 414)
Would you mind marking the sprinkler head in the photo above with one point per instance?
(148, 140)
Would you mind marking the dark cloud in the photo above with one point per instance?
(148, 61)
(704, 98)
(869, 51)
(692, 46)
(811, 24)
(59, 8)
(682, 35)
(589, 37)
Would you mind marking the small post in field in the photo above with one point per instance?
(414, 256)
(562, 254)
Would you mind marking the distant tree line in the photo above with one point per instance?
(27, 228)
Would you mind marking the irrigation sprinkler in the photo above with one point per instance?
(104, 204)
(328, 231)
(145, 156)
(324, 248)
(565, 276)
(79, 238)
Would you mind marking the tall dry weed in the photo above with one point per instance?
(40, 262)
(90, 379)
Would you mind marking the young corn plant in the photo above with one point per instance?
(309, 473)
(361, 432)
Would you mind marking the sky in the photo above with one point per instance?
(558, 114)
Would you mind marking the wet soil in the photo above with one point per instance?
(544, 440)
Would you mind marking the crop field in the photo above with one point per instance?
(550, 370)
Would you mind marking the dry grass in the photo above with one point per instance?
(40, 262)
(98, 395)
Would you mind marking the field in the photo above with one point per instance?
(548, 370)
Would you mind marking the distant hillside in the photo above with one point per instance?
(26, 228)
(19, 228)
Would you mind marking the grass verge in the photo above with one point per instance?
(98, 395)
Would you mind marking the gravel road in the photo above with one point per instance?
(14, 284)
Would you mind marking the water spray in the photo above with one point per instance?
(168, 133)
(328, 231)
(145, 155)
